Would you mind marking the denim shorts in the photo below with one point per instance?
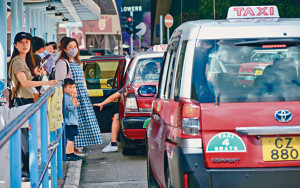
(71, 132)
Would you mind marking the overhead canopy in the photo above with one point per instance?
(73, 10)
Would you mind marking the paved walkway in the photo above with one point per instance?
(112, 170)
(104, 170)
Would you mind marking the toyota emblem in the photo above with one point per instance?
(283, 116)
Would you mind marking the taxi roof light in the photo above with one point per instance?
(160, 48)
(245, 12)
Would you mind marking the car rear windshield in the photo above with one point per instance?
(256, 70)
(147, 70)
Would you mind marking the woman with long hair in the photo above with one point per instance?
(21, 71)
(88, 129)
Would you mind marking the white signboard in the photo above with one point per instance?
(142, 27)
(253, 12)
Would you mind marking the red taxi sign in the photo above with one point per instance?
(160, 48)
(252, 12)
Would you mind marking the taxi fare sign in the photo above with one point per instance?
(252, 12)
(225, 142)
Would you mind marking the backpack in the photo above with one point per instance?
(52, 73)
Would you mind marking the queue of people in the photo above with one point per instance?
(33, 60)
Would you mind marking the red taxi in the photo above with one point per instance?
(260, 59)
(103, 77)
(209, 130)
(141, 80)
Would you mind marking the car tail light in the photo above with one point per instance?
(186, 180)
(190, 116)
(130, 103)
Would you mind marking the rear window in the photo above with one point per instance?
(97, 73)
(147, 70)
(257, 70)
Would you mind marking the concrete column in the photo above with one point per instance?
(3, 39)
(14, 23)
(27, 19)
(20, 15)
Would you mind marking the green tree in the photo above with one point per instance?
(203, 9)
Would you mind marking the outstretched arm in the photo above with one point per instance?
(108, 100)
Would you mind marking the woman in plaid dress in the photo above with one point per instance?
(88, 129)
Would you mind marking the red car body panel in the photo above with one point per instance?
(135, 133)
(143, 102)
(231, 116)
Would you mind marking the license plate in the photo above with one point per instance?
(258, 71)
(281, 148)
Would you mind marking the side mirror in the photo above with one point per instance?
(147, 91)
(110, 82)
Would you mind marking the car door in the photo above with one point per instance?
(104, 76)
(160, 120)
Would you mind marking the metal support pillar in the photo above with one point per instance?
(15, 159)
(44, 142)
(168, 35)
(55, 32)
(20, 15)
(14, 23)
(32, 22)
(3, 40)
(37, 23)
(53, 162)
(43, 23)
(33, 151)
(27, 19)
(51, 30)
(60, 154)
(161, 29)
(131, 36)
(46, 27)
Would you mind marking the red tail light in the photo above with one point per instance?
(186, 180)
(190, 111)
(189, 118)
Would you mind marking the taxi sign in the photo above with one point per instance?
(252, 12)
(160, 48)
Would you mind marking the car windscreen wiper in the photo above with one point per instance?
(284, 42)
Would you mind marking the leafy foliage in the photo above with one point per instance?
(203, 9)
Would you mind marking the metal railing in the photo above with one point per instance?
(12, 132)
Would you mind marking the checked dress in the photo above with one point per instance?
(88, 129)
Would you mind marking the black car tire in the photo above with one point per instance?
(128, 151)
(167, 175)
(128, 146)
(152, 183)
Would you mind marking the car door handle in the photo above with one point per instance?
(156, 117)
(270, 130)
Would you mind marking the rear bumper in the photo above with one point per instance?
(192, 162)
(132, 127)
